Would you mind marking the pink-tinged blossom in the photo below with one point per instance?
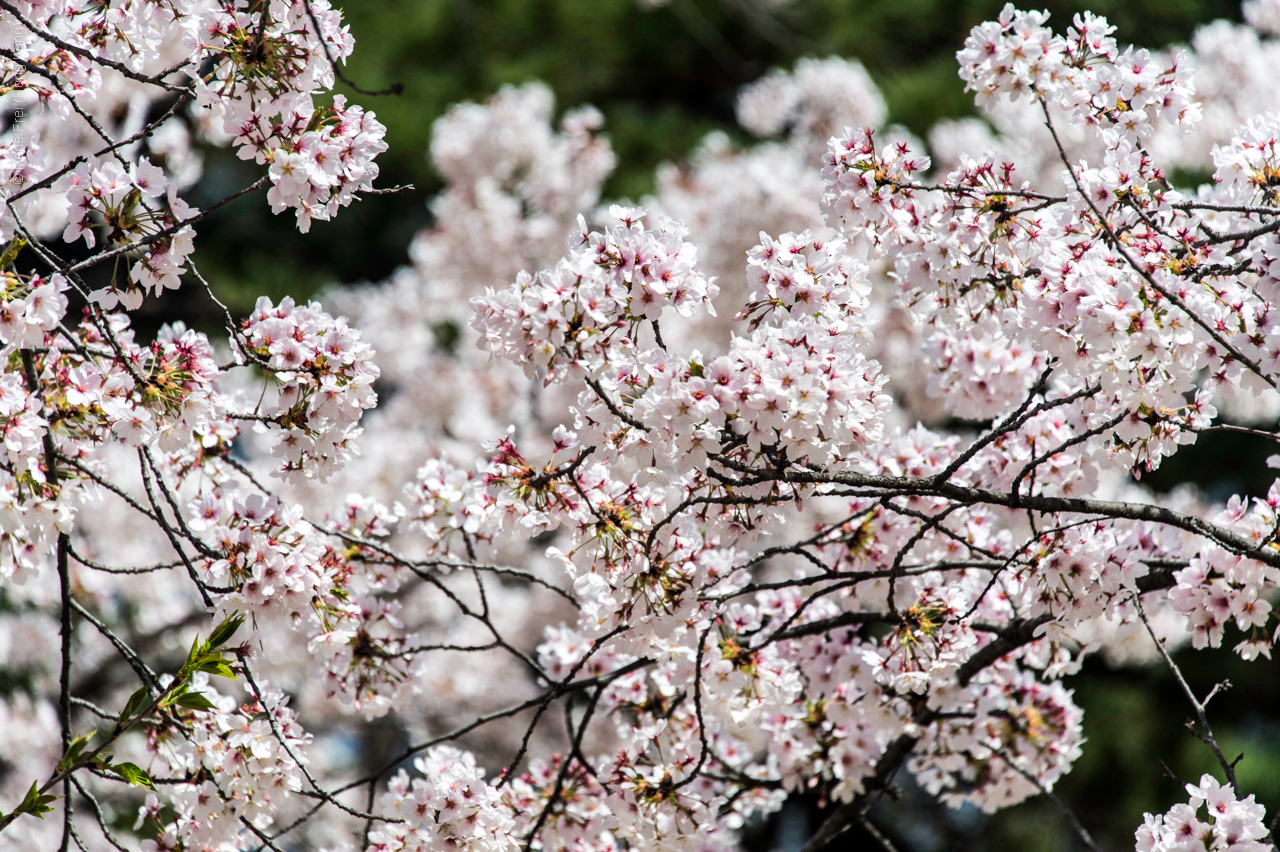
(1231, 823)
(325, 374)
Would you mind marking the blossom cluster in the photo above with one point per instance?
(1218, 587)
(450, 806)
(567, 317)
(105, 194)
(269, 565)
(835, 481)
(89, 80)
(31, 308)
(1084, 70)
(279, 56)
(326, 377)
(241, 759)
(1237, 823)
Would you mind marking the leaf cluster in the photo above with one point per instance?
(210, 656)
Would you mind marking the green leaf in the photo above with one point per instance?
(215, 665)
(36, 804)
(11, 252)
(193, 701)
(185, 671)
(135, 704)
(224, 631)
(134, 774)
(75, 750)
